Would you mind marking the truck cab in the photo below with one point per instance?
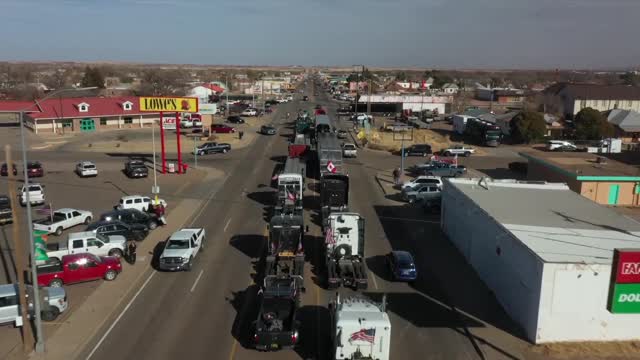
(291, 187)
(344, 244)
(276, 327)
(360, 328)
(285, 255)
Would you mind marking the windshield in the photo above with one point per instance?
(102, 238)
(349, 147)
(178, 244)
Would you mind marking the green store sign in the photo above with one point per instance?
(625, 299)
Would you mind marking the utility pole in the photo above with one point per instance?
(154, 189)
(21, 269)
(369, 99)
(262, 96)
(226, 106)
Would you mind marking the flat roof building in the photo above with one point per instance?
(545, 252)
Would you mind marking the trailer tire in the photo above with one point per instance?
(342, 251)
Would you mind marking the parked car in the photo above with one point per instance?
(349, 150)
(197, 121)
(53, 302)
(271, 102)
(181, 249)
(561, 145)
(418, 150)
(132, 216)
(4, 170)
(136, 169)
(423, 179)
(6, 214)
(458, 150)
(341, 134)
(268, 130)
(186, 123)
(249, 112)
(212, 147)
(447, 170)
(86, 169)
(421, 192)
(344, 110)
(77, 268)
(63, 219)
(35, 169)
(402, 266)
(36, 194)
(222, 129)
(235, 119)
(137, 232)
(86, 242)
(138, 202)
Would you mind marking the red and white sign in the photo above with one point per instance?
(627, 265)
(169, 122)
(331, 167)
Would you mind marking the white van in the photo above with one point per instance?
(137, 202)
(53, 302)
(560, 144)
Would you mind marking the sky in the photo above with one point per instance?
(493, 34)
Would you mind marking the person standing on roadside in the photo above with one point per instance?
(131, 252)
(396, 176)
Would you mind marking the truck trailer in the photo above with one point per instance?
(344, 251)
(291, 187)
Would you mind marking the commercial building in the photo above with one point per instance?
(546, 253)
(604, 181)
(569, 99)
(626, 124)
(205, 91)
(411, 102)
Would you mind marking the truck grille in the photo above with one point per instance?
(172, 260)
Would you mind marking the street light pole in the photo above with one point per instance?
(226, 106)
(155, 189)
(34, 272)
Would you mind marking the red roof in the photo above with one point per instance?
(97, 107)
(213, 87)
(17, 106)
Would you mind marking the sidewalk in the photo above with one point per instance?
(86, 319)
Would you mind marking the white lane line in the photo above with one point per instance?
(226, 225)
(95, 348)
(373, 277)
(195, 283)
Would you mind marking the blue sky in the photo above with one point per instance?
(424, 33)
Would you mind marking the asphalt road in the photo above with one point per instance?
(205, 313)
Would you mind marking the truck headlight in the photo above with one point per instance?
(184, 259)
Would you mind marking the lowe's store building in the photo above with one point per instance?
(547, 254)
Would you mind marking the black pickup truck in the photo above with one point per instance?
(212, 147)
(136, 169)
(277, 327)
(6, 215)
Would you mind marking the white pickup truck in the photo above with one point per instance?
(36, 194)
(62, 219)
(181, 248)
(87, 242)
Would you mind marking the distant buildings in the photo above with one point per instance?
(569, 99)
(626, 123)
(450, 88)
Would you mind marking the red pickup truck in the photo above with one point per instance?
(77, 268)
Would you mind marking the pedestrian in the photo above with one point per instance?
(396, 176)
(131, 252)
(159, 211)
(240, 134)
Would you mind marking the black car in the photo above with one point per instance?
(418, 150)
(271, 102)
(136, 169)
(267, 130)
(131, 216)
(212, 147)
(235, 119)
(4, 170)
(6, 215)
(137, 232)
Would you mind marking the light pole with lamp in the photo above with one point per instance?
(34, 274)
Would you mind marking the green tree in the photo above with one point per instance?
(630, 78)
(92, 77)
(528, 126)
(592, 125)
(401, 76)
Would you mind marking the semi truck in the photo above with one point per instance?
(334, 194)
(291, 187)
(285, 254)
(276, 327)
(344, 251)
(360, 328)
(329, 150)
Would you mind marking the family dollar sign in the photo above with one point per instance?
(169, 104)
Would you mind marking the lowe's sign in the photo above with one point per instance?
(624, 289)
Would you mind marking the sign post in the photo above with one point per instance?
(162, 104)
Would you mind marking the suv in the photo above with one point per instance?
(131, 216)
(136, 169)
(421, 192)
(138, 202)
(34, 169)
(137, 232)
(418, 150)
(4, 171)
(424, 179)
(86, 168)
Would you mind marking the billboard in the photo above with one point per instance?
(624, 288)
(208, 109)
(169, 122)
(169, 104)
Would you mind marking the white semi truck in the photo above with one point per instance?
(344, 245)
(360, 329)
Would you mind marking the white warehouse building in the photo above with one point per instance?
(545, 252)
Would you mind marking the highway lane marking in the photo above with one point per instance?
(195, 283)
(226, 225)
(113, 325)
(373, 277)
(211, 196)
